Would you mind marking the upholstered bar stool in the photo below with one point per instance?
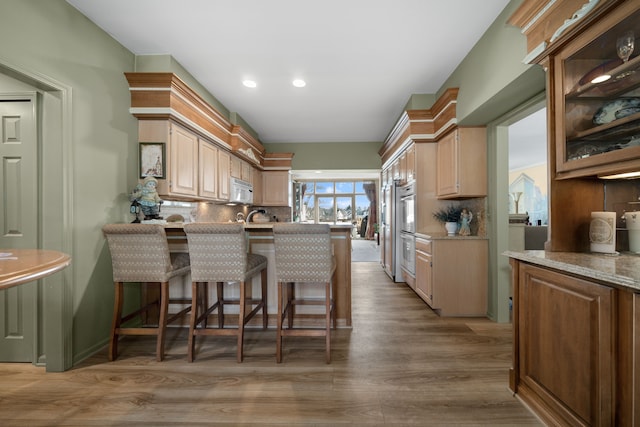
(140, 254)
(219, 254)
(304, 257)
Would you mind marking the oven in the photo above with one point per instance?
(408, 253)
(405, 228)
(407, 208)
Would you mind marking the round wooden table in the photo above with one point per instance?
(19, 266)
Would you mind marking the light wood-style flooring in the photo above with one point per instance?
(400, 365)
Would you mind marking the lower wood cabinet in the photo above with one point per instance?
(576, 348)
(452, 276)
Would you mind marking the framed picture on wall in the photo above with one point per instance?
(152, 159)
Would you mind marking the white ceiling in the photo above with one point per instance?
(361, 59)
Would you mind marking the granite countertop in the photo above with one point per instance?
(619, 270)
(445, 236)
(252, 225)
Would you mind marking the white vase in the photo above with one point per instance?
(451, 228)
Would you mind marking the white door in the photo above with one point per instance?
(18, 222)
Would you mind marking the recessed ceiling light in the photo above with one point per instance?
(249, 83)
(299, 83)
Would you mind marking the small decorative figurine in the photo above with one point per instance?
(465, 220)
(147, 197)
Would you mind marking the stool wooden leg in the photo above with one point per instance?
(327, 307)
(289, 308)
(279, 326)
(242, 319)
(265, 314)
(334, 307)
(204, 301)
(162, 322)
(220, 290)
(116, 321)
(195, 304)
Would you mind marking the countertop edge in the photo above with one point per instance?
(619, 270)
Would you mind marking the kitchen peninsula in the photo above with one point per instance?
(576, 336)
(260, 236)
(576, 314)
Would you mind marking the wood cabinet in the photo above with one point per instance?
(452, 276)
(402, 167)
(462, 163)
(410, 163)
(236, 167)
(246, 172)
(590, 132)
(224, 175)
(183, 161)
(181, 149)
(276, 188)
(208, 165)
(257, 187)
(565, 347)
(424, 283)
(597, 99)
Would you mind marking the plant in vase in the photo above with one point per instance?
(449, 216)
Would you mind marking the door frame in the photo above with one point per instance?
(55, 216)
(498, 202)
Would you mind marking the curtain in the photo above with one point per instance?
(370, 191)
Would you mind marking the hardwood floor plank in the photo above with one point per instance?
(400, 365)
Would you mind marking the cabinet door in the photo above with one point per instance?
(566, 345)
(208, 160)
(402, 166)
(224, 174)
(411, 163)
(245, 172)
(424, 284)
(275, 188)
(257, 187)
(597, 121)
(462, 163)
(395, 170)
(447, 165)
(183, 164)
(236, 167)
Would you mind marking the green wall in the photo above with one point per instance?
(52, 39)
(330, 156)
(492, 78)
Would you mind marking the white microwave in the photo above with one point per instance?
(240, 192)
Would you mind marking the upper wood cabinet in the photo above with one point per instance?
(208, 174)
(183, 162)
(597, 99)
(257, 187)
(236, 167)
(224, 174)
(410, 163)
(181, 148)
(276, 188)
(462, 163)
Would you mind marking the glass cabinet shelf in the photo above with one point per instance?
(601, 97)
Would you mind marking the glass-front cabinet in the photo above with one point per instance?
(597, 98)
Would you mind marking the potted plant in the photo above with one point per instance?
(450, 216)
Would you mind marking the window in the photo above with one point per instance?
(332, 202)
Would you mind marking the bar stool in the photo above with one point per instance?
(140, 254)
(219, 254)
(304, 257)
